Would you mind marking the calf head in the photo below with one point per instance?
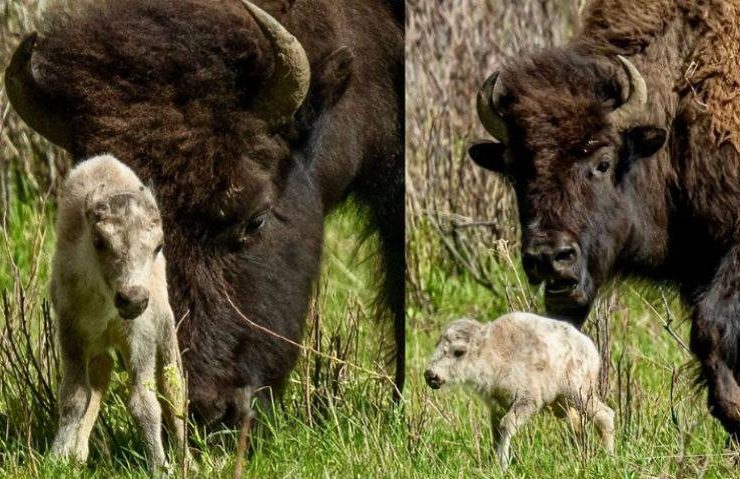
(450, 361)
(125, 239)
(569, 132)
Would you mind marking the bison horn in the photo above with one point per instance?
(288, 87)
(487, 105)
(29, 101)
(637, 99)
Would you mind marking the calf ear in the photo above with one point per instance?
(489, 155)
(644, 141)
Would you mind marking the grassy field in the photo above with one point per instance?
(342, 425)
(463, 260)
(663, 427)
(336, 419)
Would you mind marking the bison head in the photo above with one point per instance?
(569, 128)
(198, 97)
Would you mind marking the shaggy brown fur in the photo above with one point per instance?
(711, 71)
(168, 87)
(598, 199)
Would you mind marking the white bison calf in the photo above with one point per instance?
(519, 364)
(109, 292)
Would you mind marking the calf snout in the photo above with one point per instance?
(131, 302)
(433, 379)
(556, 258)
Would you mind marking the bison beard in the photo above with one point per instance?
(177, 91)
(600, 197)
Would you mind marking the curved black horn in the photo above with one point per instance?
(288, 87)
(29, 101)
(635, 103)
(487, 106)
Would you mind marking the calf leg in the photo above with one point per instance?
(715, 340)
(99, 374)
(496, 413)
(74, 394)
(603, 417)
(143, 402)
(171, 386)
(562, 409)
(517, 416)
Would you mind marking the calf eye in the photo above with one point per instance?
(158, 249)
(458, 353)
(98, 242)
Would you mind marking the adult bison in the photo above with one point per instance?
(251, 126)
(623, 150)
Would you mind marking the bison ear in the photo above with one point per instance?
(489, 155)
(332, 76)
(644, 141)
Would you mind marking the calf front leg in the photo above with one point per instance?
(715, 340)
(495, 412)
(144, 405)
(99, 370)
(171, 385)
(603, 417)
(74, 395)
(521, 411)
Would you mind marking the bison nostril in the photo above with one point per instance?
(530, 261)
(565, 255)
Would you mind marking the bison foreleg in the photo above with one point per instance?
(388, 218)
(715, 340)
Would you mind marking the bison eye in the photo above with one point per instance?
(458, 353)
(256, 224)
(590, 146)
(603, 166)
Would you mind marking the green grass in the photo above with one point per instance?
(338, 424)
(348, 428)
(663, 426)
